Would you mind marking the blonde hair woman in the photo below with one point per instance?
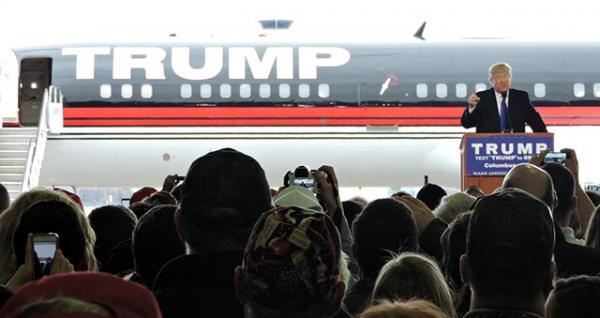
(9, 221)
(409, 276)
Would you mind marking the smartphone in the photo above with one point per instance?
(558, 157)
(44, 245)
(305, 182)
(125, 202)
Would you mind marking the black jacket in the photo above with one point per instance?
(487, 119)
(199, 285)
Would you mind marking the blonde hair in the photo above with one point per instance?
(416, 308)
(411, 275)
(499, 68)
(9, 220)
(63, 305)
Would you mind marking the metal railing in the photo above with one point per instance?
(52, 97)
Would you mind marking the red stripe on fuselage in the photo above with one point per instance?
(301, 116)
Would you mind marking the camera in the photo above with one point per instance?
(44, 245)
(303, 176)
(557, 157)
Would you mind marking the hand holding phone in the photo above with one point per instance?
(44, 245)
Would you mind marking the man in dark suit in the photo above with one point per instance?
(501, 108)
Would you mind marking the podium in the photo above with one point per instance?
(487, 157)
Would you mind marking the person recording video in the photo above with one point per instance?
(501, 108)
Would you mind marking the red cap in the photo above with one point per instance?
(141, 194)
(126, 299)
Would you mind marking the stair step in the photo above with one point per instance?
(7, 177)
(14, 145)
(13, 161)
(12, 169)
(13, 153)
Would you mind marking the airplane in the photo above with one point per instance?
(384, 115)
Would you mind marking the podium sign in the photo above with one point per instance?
(496, 155)
(486, 158)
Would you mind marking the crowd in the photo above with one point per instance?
(222, 243)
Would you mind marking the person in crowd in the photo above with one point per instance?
(409, 309)
(141, 194)
(224, 193)
(501, 108)
(575, 297)
(454, 243)
(429, 227)
(291, 266)
(564, 185)
(10, 219)
(509, 260)
(592, 236)
(411, 275)
(431, 194)
(155, 242)
(4, 198)
(140, 208)
(352, 209)
(475, 191)
(594, 196)
(160, 197)
(452, 205)
(112, 224)
(384, 228)
(73, 250)
(82, 294)
(571, 259)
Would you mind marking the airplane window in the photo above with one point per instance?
(303, 90)
(421, 90)
(461, 90)
(245, 91)
(284, 90)
(146, 91)
(126, 91)
(105, 91)
(264, 90)
(480, 87)
(225, 91)
(579, 90)
(441, 90)
(323, 90)
(539, 90)
(185, 91)
(205, 90)
(596, 89)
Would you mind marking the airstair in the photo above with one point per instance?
(22, 148)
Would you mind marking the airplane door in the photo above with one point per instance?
(35, 78)
(9, 86)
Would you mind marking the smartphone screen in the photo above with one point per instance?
(558, 157)
(305, 182)
(44, 246)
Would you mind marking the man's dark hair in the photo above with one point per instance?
(431, 194)
(351, 210)
(159, 198)
(4, 198)
(564, 185)
(155, 242)
(224, 193)
(52, 217)
(385, 227)
(140, 208)
(575, 297)
(112, 225)
(594, 196)
(510, 243)
(454, 245)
